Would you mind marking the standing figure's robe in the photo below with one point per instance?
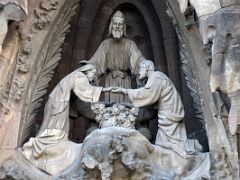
(171, 133)
(50, 150)
(118, 58)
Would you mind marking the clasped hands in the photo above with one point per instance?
(115, 90)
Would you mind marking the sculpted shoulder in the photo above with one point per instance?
(79, 74)
(130, 41)
(123, 40)
(75, 74)
(106, 41)
(160, 75)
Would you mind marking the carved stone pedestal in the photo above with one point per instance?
(115, 153)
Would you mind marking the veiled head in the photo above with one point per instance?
(89, 70)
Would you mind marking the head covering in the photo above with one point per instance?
(87, 66)
(118, 15)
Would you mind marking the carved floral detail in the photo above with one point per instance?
(116, 116)
(43, 16)
(43, 19)
(27, 48)
(49, 5)
(42, 13)
(50, 54)
(221, 166)
(18, 88)
(21, 64)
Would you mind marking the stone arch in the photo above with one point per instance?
(42, 36)
(83, 27)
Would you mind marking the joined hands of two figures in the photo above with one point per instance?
(115, 90)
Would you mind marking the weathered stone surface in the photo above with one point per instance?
(15, 166)
(202, 7)
(114, 153)
(220, 29)
(21, 69)
(29, 56)
(50, 143)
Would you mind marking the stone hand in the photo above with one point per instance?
(119, 90)
(108, 89)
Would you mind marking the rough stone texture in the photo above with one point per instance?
(47, 150)
(145, 19)
(218, 31)
(114, 153)
(24, 60)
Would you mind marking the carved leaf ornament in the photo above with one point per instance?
(50, 57)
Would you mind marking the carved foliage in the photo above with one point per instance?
(221, 168)
(50, 56)
(17, 82)
(190, 74)
(117, 115)
(43, 18)
(192, 83)
(193, 86)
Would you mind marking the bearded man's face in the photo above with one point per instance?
(117, 28)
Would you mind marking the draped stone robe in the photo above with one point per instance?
(171, 133)
(117, 58)
(50, 150)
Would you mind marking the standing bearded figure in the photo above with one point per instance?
(117, 57)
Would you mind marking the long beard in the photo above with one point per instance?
(117, 34)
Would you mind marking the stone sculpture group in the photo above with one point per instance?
(132, 114)
(117, 144)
